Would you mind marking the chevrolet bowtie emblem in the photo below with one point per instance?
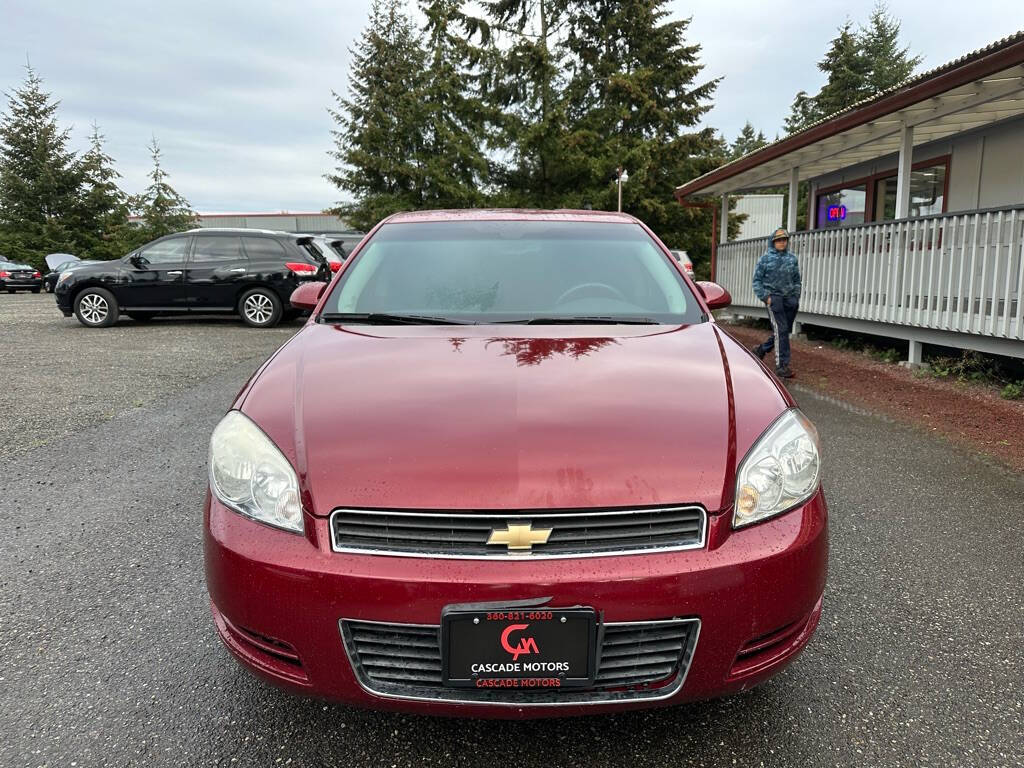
(519, 537)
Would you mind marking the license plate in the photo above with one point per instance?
(531, 649)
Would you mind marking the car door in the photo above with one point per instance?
(217, 270)
(154, 277)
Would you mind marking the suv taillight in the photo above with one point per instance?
(335, 266)
(300, 267)
(36, 274)
(4, 274)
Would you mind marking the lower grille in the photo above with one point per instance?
(636, 660)
(551, 533)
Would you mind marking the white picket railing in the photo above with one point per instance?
(961, 272)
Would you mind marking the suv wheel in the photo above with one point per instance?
(260, 308)
(96, 308)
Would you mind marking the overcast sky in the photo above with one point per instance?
(236, 93)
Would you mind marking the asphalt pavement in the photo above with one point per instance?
(110, 656)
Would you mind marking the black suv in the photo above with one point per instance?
(248, 272)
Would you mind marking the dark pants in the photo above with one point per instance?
(781, 314)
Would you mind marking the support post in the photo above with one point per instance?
(724, 222)
(903, 169)
(914, 354)
(794, 197)
(812, 190)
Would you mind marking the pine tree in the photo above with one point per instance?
(524, 87)
(454, 164)
(746, 142)
(847, 72)
(39, 177)
(887, 63)
(859, 65)
(633, 102)
(161, 209)
(101, 212)
(379, 138)
(802, 113)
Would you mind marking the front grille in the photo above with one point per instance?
(636, 660)
(465, 534)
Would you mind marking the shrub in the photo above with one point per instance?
(1013, 391)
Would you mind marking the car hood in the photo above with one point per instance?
(545, 417)
(54, 260)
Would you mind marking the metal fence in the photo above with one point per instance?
(961, 272)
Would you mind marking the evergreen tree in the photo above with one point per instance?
(887, 63)
(858, 64)
(160, 207)
(524, 87)
(746, 142)
(633, 102)
(39, 177)
(454, 164)
(101, 212)
(847, 72)
(802, 113)
(379, 138)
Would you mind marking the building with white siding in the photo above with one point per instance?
(915, 212)
(763, 214)
(282, 222)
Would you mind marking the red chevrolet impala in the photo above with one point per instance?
(511, 467)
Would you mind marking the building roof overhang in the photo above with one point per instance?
(978, 89)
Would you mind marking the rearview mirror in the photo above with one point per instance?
(715, 295)
(306, 296)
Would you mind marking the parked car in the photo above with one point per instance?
(19, 277)
(61, 262)
(246, 272)
(684, 259)
(470, 486)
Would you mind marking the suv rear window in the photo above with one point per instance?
(264, 248)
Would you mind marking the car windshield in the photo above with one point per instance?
(513, 271)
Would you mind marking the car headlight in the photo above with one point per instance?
(250, 475)
(779, 472)
(64, 276)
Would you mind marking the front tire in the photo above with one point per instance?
(96, 308)
(260, 308)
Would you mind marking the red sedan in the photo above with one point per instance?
(511, 467)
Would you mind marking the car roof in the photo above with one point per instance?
(511, 214)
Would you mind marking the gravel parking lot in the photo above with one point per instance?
(59, 376)
(110, 656)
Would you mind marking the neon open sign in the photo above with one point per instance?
(836, 212)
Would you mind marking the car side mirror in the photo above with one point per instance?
(306, 296)
(138, 261)
(715, 295)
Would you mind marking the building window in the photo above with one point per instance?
(927, 193)
(842, 207)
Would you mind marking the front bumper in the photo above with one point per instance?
(278, 599)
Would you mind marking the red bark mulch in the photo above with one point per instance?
(969, 414)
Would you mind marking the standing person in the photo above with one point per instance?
(777, 284)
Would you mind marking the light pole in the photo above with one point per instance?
(623, 175)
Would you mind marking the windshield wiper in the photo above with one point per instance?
(385, 318)
(582, 320)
